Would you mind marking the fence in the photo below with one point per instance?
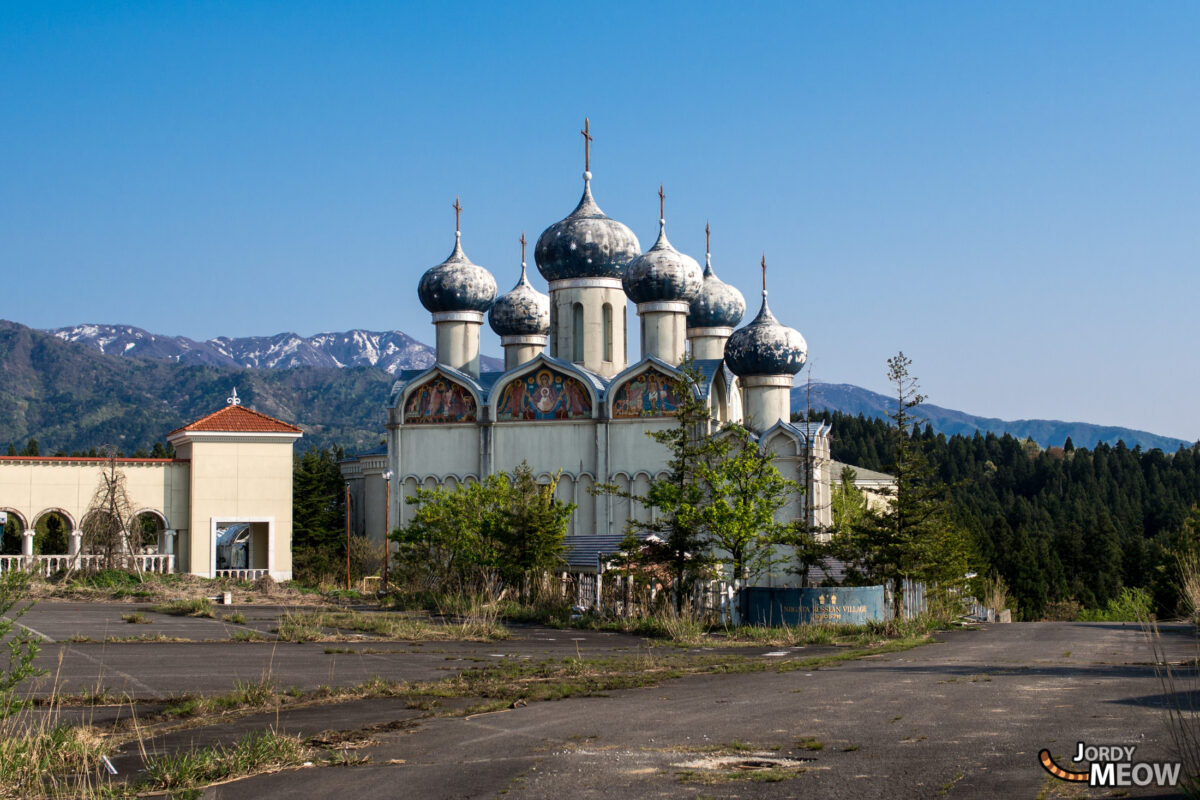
(616, 594)
(915, 602)
(161, 563)
(619, 595)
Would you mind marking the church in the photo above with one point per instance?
(569, 398)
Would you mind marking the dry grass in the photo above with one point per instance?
(40, 758)
(480, 624)
(1189, 585)
(125, 587)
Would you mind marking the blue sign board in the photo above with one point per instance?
(838, 605)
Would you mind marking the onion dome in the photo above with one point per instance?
(524, 311)
(718, 305)
(662, 273)
(586, 244)
(457, 284)
(765, 347)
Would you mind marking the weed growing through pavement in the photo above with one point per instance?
(195, 607)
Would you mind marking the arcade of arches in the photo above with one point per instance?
(232, 467)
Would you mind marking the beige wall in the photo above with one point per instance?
(32, 486)
(238, 478)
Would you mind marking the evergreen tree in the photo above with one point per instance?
(678, 518)
(912, 536)
(318, 512)
(534, 528)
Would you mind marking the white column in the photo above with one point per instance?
(75, 544)
(708, 343)
(458, 339)
(520, 350)
(27, 543)
(664, 329)
(169, 542)
(767, 400)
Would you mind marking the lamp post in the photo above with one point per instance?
(347, 535)
(387, 526)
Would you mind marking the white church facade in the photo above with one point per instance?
(569, 399)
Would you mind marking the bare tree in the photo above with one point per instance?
(109, 525)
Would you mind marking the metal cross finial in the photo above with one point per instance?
(661, 198)
(764, 269)
(707, 249)
(522, 247)
(233, 400)
(457, 214)
(587, 145)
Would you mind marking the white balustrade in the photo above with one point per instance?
(242, 574)
(158, 563)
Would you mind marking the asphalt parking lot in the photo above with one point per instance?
(965, 717)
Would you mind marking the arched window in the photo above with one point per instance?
(608, 332)
(577, 332)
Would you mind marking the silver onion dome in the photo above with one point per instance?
(457, 284)
(524, 311)
(587, 244)
(662, 273)
(765, 347)
(718, 305)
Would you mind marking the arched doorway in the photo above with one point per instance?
(10, 541)
(148, 527)
(52, 532)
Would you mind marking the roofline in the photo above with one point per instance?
(185, 428)
(200, 436)
(95, 459)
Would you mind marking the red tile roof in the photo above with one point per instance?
(238, 419)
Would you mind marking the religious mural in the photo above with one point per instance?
(439, 400)
(544, 394)
(651, 394)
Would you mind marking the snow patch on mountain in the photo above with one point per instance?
(389, 350)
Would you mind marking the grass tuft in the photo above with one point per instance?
(195, 607)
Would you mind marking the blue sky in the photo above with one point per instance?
(1008, 192)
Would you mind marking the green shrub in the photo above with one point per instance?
(1133, 605)
(22, 646)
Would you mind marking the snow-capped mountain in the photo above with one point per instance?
(389, 350)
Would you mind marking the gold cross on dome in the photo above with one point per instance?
(587, 145)
(457, 214)
(661, 198)
(522, 247)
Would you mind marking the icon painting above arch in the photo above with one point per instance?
(439, 401)
(649, 394)
(544, 394)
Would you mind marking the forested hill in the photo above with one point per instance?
(78, 388)
(1059, 524)
(850, 399)
(71, 398)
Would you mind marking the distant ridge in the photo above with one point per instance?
(851, 399)
(391, 351)
(80, 387)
